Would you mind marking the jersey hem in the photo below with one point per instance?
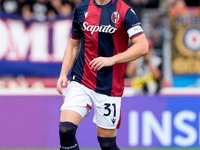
(97, 91)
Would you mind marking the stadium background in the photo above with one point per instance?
(30, 60)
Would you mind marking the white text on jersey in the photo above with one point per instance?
(94, 28)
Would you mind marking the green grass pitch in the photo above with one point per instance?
(121, 149)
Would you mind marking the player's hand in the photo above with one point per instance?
(62, 81)
(100, 62)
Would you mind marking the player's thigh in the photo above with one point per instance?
(107, 111)
(101, 132)
(76, 103)
(70, 116)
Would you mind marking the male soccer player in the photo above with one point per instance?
(97, 53)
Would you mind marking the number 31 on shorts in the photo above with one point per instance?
(110, 107)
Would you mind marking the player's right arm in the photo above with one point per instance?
(69, 58)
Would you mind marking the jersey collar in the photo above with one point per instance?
(100, 6)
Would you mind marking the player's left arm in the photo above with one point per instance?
(138, 49)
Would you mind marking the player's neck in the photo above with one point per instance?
(102, 2)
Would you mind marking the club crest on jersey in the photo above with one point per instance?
(115, 17)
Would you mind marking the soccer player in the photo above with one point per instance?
(97, 53)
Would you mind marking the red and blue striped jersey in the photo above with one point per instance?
(104, 31)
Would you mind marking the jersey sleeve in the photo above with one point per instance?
(76, 32)
(132, 24)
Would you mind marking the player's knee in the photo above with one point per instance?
(108, 143)
(67, 131)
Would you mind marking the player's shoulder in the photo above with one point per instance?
(83, 4)
(123, 8)
(123, 5)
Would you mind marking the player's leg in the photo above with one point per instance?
(107, 117)
(107, 139)
(70, 116)
(69, 122)
(73, 110)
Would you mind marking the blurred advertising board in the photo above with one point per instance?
(185, 43)
(32, 48)
(147, 122)
(31, 83)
